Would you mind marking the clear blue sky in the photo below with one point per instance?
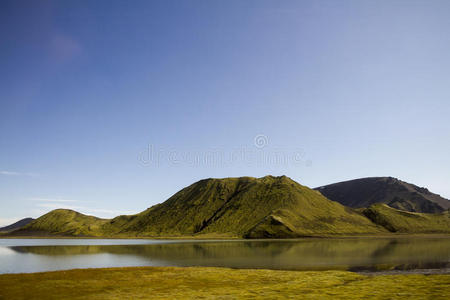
(110, 107)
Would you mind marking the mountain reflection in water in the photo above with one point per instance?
(306, 254)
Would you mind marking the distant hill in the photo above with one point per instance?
(396, 193)
(17, 225)
(268, 207)
(401, 221)
(63, 222)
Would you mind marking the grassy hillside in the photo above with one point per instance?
(396, 220)
(267, 207)
(64, 222)
(391, 191)
(248, 207)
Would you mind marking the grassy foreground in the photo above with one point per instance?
(196, 282)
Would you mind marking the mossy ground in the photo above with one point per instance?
(222, 283)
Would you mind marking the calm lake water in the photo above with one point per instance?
(371, 255)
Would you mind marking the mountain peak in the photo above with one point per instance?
(399, 194)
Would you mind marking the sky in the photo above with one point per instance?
(109, 107)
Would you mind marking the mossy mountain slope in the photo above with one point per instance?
(400, 221)
(64, 222)
(267, 207)
(248, 207)
(231, 207)
(364, 192)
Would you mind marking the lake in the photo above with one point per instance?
(355, 254)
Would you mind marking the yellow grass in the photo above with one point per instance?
(220, 283)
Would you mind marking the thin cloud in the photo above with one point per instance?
(53, 200)
(9, 173)
(84, 209)
(12, 173)
(45, 204)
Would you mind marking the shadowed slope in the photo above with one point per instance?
(17, 225)
(396, 220)
(391, 191)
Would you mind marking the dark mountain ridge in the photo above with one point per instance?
(398, 194)
(17, 225)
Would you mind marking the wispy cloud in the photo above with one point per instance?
(12, 173)
(84, 209)
(55, 203)
(9, 173)
(53, 200)
(43, 205)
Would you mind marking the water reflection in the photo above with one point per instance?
(309, 254)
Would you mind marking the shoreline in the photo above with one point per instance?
(381, 272)
(231, 238)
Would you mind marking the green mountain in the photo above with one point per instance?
(64, 222)
(247, 207)
(267, 207)
(391, 191)
(396, 220)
